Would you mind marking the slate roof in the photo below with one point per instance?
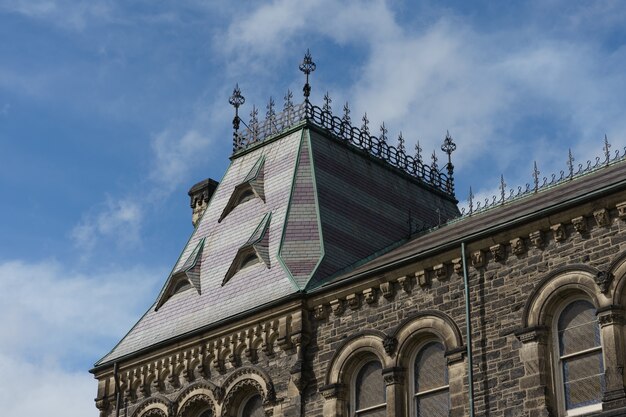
(309, 206)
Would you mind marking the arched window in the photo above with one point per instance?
(207, 413)
(580, 373)
(253, 407)
(369, 391)
(431, 396)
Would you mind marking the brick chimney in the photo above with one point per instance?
(200, 195)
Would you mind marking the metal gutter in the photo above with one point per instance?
(468, 327)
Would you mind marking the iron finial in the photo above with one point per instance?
(327, 101)
(502, 188)
(448, 147)
(570, 163)
(254, 122)
(401, 143)
(434, 165)
(236, 100)
(365, 126)
(383, 133)
(288, 100)
(270, 109)
(346, 114)
(471, 201)
(418, 152)
(307, 67)
(607, 152)
(536, 173)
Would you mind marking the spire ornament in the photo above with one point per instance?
(502, 189)
(607, 152)
(254, 122)
(536, 173)
(327, 100)
(288, 106)
(570, 163)
(236, 100)
(307, 67)
(366, 142)
(448, 147)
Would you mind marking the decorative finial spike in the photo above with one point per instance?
(418, 152)
(536, 173)
(471, 201)
(607, 152)
(570, 163)
(327, 101)
(288, 100)
(270, 114)
(307, 67)
(236, 100)
(502, 189)
(401, 143)
(383, 133)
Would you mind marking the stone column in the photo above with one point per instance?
(611, 320)
(395, 389)
(534, 355)
(457, 376)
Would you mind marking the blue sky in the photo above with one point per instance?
(111, 110)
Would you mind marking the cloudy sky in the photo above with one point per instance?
(111, 110)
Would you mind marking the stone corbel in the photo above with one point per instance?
(602, 217)
(386, 288)
(320, 312)
(337, 307)
(532, 334)
(457, 266)
(478, 259)
(354, 301)
(455, 355)
(422, 278)
(390, 343)
(441, 271)
(369, 295)
(621, 210)
(558, 231)
(498, 252)
(405, 283)
(603, 280)
(518, 246)
(536, 238)
(580, 224)
(393, 375)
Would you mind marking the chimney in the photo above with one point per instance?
(200, 195)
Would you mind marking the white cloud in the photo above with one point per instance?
(117, 220)
(68, 14)
(57, 323)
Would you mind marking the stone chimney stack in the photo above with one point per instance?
(200, 195)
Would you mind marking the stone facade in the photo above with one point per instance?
(302, 353)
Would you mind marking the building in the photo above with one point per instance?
(332, 274)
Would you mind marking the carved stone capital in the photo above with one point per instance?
(390, 343)
(518, 246)
(369, 295)
(478, 259)
(320, 312)
(603, 280)
(602, 217)
(441, 271)
(386, 288)
(580, 224)
(393, 375)
(405, 283)
(532, 334)
(455, 355)
(610, 316)
(498, 252)
(422, 278)
(558, 231)
(354, 301)
(337, 307)
(536, 238)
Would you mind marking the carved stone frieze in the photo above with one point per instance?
(320, 312)
(558, 232)
(536, 238)
(478, 259)
(457, 266)
(602, 217)
(405, 283)
(394, 375)
(580, 224)
(441, 271)
(337, 306)
(518, 246)
(369, 295)
(386, 288)
(621, 210)
(498, 252)
(422, 278)
(354, 301)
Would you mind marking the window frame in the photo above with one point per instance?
(412, 395)
(245, 401)
(557, 362)
(352, 411)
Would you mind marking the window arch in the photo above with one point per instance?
(579, 373)
(368, 393)
(429, 381)
(252, 407)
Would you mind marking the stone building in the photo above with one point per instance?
(332, 274)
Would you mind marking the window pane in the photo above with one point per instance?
(578, 328)
(378, 412)
(433, 405)
(254, 407)
(431, 369)
(370, 386)
(584, 379)
(207, 413)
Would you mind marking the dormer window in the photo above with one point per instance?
(251, 187)
(254, 251)
(181, 286)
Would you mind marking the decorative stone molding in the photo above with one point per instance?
(337, 307)
(386, 288)
(602, 217)
(441, 271)
(603, 280)
(394, 375)
(478, 259)
(457, 266)
(518, 246)
(621, 210)
(498, 252)
(558, 231)
(405, 283)
(580, 224)
(390, 344)
(532, 334)
(536, 238)
(320, 312)
(354, 301)
(369, 295)
(610, 316)
(422, 278)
